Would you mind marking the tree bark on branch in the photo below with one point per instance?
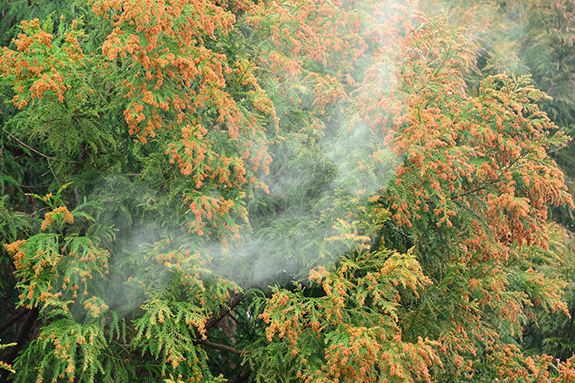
(21, 339)
(213, 321)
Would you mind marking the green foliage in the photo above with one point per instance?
(2, 364)
(535, 38)
(353, 328)
(286, 191)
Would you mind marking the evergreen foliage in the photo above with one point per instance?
(286, 191)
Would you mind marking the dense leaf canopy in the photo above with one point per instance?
(286, 191)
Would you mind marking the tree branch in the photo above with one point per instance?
(21, 338)
(213, 321)
(33, 187)
(13, 320)
(220, 347)
(563, 147)
(241, 326)
(35, 151)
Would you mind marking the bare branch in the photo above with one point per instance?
(563, 147)
(35, 151)
(220, 347)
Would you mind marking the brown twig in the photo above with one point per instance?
(48, 158)
(563, 147)
(33, 187)
(35, 151)
(220, 347)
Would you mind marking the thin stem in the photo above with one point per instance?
(241, 326)
(35, 151)
(563, 147)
